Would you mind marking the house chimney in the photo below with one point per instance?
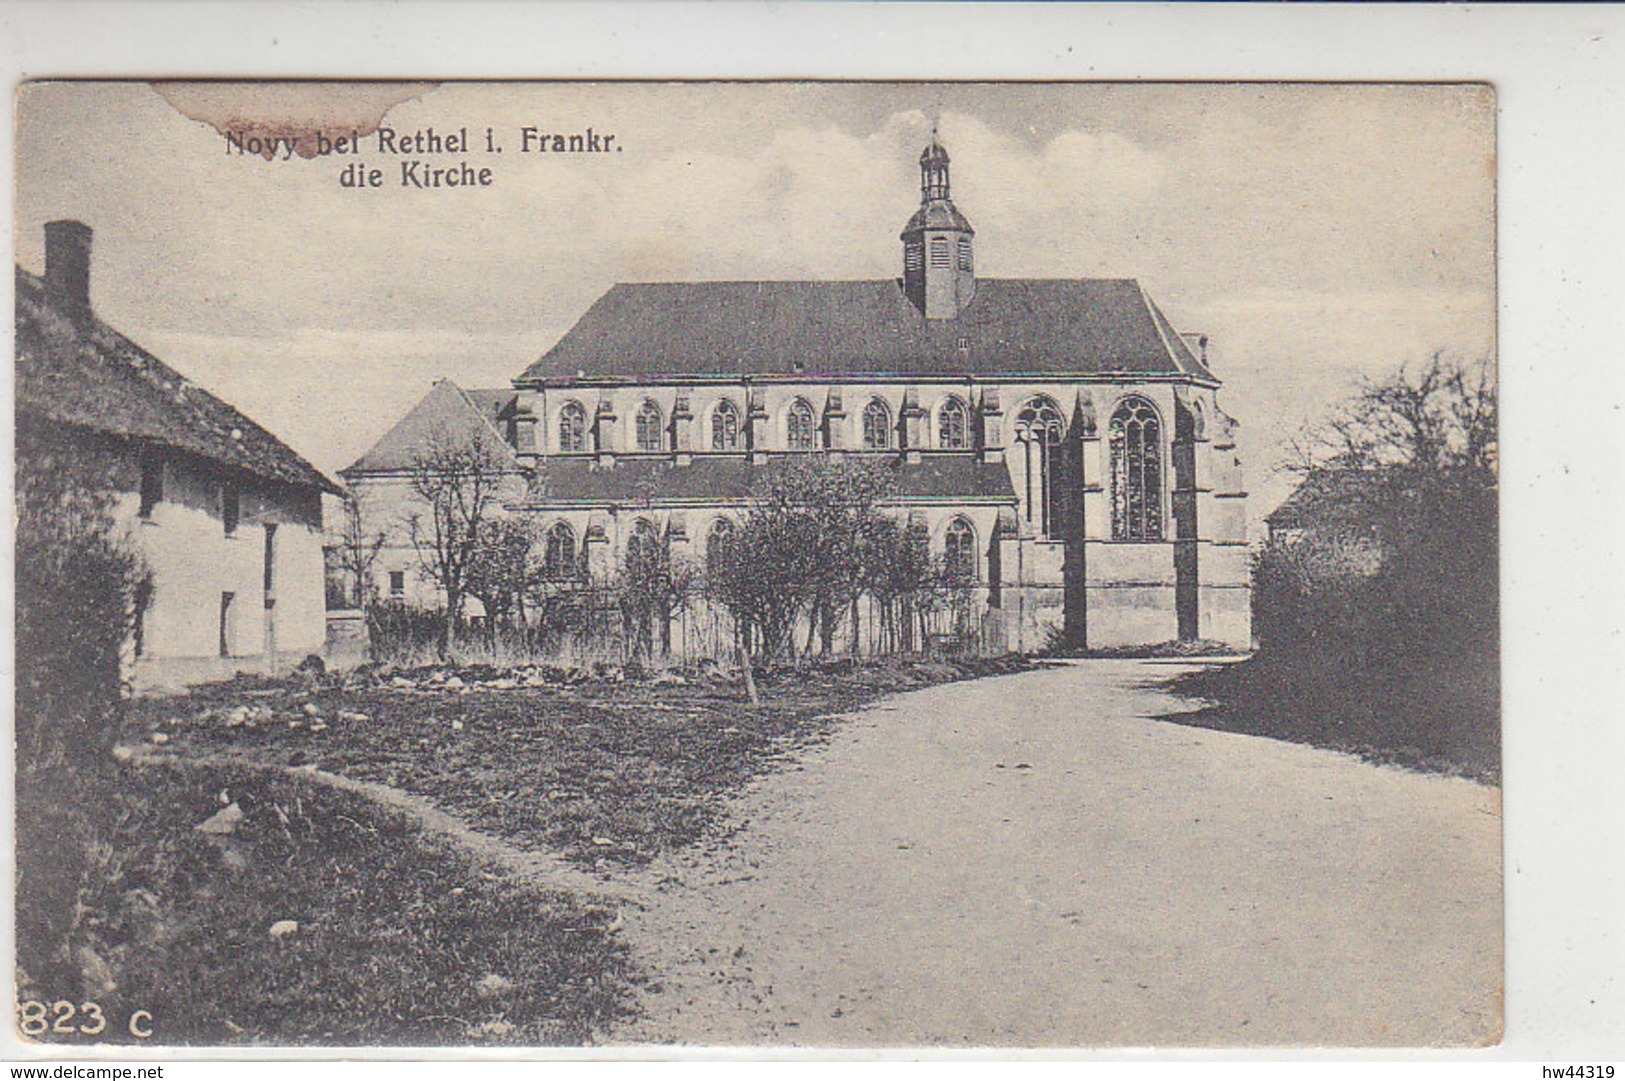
(67, 260)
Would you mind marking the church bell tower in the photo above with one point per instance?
(939, 274)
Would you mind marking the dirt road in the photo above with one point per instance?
(1030, 860)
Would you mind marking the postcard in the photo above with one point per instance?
(756, 564)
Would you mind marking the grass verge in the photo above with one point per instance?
(400, 939)
(607, 771)
(1438, 716)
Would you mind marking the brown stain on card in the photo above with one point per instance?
(283, 118)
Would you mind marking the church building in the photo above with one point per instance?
(1057, 440)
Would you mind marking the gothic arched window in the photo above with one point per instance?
(725, 426)
(876, 425)
(800, 427)
(939, 252)
(716, 547)
(642, 549)
(650, 429)
(1038, 430)
(953, 427)
(572, 428)
(1136, 447)
(961, 551)
(559, 558)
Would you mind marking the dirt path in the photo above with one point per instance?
(1029, 860)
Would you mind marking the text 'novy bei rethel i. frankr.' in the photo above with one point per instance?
(424, 159)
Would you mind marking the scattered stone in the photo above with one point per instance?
(497, 1028)
(503, 684)
(352, 717)
(603, 842)
(237, 717)
(456, 726)
(401, 683)
(122, 753)
(493, 984)
(159, 738)
(284, 928)
(97, 972)
(223, 821)
(454, 684)
(318, 727)
(458, 891)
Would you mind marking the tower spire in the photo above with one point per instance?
(938, 268)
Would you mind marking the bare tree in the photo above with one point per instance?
(1440, 417)
(653, 589)
(800, 551)
(459, 479)
(357, 549)
(499, 568)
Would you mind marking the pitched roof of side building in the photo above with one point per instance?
(447, 412)
(1011, 328)
(72, 368)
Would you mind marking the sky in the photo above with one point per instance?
(1316, 232)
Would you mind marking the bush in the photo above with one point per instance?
(78, 586)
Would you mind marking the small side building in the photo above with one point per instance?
(227, 517)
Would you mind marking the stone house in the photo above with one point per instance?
(227, 518)
(1057, 440)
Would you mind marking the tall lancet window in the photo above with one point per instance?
(572, 428)
(876, 425)
(953, 428)
(1038, 431)
(964, 253)
(799, 426)
(960, 550)
(650, 429)
(559, 563)
(725, 426)
(1136, 447)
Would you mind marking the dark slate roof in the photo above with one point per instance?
(72, 368)
(721, 479)
(1012, 327)
(446, 412)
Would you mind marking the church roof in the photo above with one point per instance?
(72, 368)
(447, 412)
(1013, 327)
(715, 479)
